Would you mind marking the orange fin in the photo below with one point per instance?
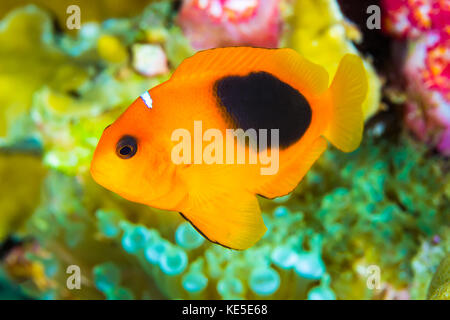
(284, 63)
(293, 172)
(224, 214)
(348, 91)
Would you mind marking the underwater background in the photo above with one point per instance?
(373, 224)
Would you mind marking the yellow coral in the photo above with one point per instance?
(111, 49)
(321, 34)
(28, 60)
(21, 177)
(97, 10)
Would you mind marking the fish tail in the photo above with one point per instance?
(348, 91)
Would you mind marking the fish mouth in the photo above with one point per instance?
(98, 175)
(102, 179)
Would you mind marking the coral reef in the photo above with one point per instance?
(385, 205)
(320, 240)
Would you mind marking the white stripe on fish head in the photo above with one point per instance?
(147, 99)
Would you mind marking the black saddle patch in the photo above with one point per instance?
(262, 101)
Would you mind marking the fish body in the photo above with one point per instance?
(215, 91)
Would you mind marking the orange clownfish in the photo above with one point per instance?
(144, 155)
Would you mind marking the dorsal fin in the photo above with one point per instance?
(286, 64)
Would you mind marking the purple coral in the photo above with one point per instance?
(218, 23)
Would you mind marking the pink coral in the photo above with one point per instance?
(411, 18)
(425, 24)
(428, 73)
(218, 23)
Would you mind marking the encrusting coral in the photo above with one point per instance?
(30, 59)
(440, 284)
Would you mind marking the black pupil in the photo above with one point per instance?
(126, 147)
(125, 150)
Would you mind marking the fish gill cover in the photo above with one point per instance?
(383, 206)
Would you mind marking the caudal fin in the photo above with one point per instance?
(348, 91)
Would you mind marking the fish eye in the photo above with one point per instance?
(126, 147)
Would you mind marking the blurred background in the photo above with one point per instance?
(373, 224)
